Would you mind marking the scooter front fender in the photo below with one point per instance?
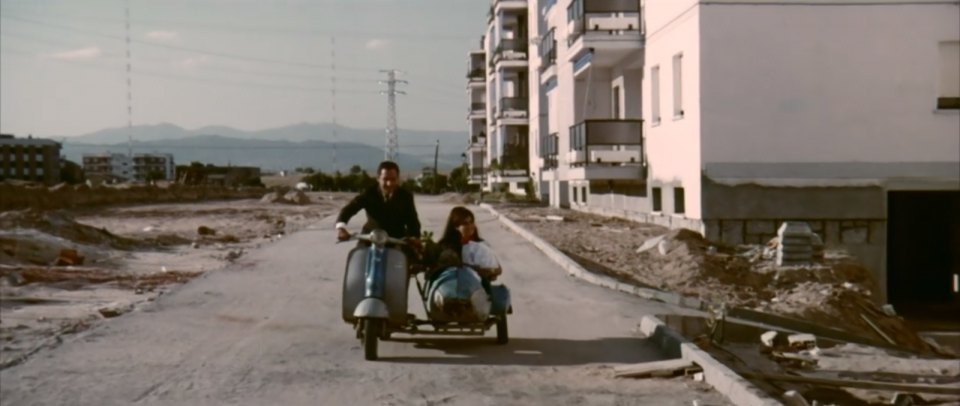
(371, 308)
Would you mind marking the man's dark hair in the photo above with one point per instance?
(388, 165)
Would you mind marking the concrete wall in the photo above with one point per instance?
(673, 145)
(837, 83)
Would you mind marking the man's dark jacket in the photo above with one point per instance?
(398, 216)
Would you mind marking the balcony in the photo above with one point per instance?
(478, 74)
(513, 108)
(606, 142)
(497, 6)
(548, 50)
(610, 29)
(477, 142)
(512, 165)
(510, 52)
(478, 110)
(549, 150)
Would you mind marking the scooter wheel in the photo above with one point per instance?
(371, 336)
(503, 336)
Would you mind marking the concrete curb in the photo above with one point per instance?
(671, 343)
(574, 269)
(723, 379)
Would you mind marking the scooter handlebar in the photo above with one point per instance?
(371, 238)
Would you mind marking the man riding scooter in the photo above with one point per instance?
(388, 207)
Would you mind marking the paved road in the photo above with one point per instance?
(268, 331)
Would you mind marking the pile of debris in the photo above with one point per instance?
(286, 196)
(803, 281)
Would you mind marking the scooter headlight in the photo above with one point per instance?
(378, 237)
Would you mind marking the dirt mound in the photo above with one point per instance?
(286, 197)
(63, 225)
(76, 278)
(296, 197)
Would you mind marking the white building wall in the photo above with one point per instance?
(631, 93)
(842, 84)
(533, 93)
(673, 145)
(563, 104)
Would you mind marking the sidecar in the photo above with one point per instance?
(457, 302)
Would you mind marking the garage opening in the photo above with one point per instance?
(923, 253)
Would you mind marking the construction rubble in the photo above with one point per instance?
(830, 341)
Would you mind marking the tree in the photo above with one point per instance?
(459, 178)
(70, 172)
(410, 185)
(155, 175)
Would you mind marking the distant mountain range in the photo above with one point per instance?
(277, 148)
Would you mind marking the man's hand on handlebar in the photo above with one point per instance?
(342, 234)
(414, 243)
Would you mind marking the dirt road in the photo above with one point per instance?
(267, 330)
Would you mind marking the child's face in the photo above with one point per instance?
(467, 228)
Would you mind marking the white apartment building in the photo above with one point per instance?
(123, 167)
(730, 117)
(507, 146)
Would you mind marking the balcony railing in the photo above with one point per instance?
(548, 50)
(510, 49)
(478, 108)
(549, 149)
(513, 107)
(602, 16)
(592, 142)
(477, 74)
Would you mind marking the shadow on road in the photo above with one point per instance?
(529, 351)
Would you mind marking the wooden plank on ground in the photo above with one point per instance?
(655, 368)
(863, 384)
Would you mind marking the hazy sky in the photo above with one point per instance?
(248, 64)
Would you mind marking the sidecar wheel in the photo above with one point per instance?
(503, 336)
(371, 336)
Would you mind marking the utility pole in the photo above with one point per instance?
(392, 146)
(436, 176)
(129, 85)
(333, 96)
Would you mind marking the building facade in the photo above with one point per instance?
(122, 167)
(730, 117)
(29, 159)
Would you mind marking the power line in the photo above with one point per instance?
(185, 49)
(253, 72)
(221, 27)
(295, 146)
(209, 80)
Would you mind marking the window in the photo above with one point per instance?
(657, 200)
(948, 97)
(583, 194)
(655, 94)
(616, 102)
(677, 86)
(678, 206)
(575, 199)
